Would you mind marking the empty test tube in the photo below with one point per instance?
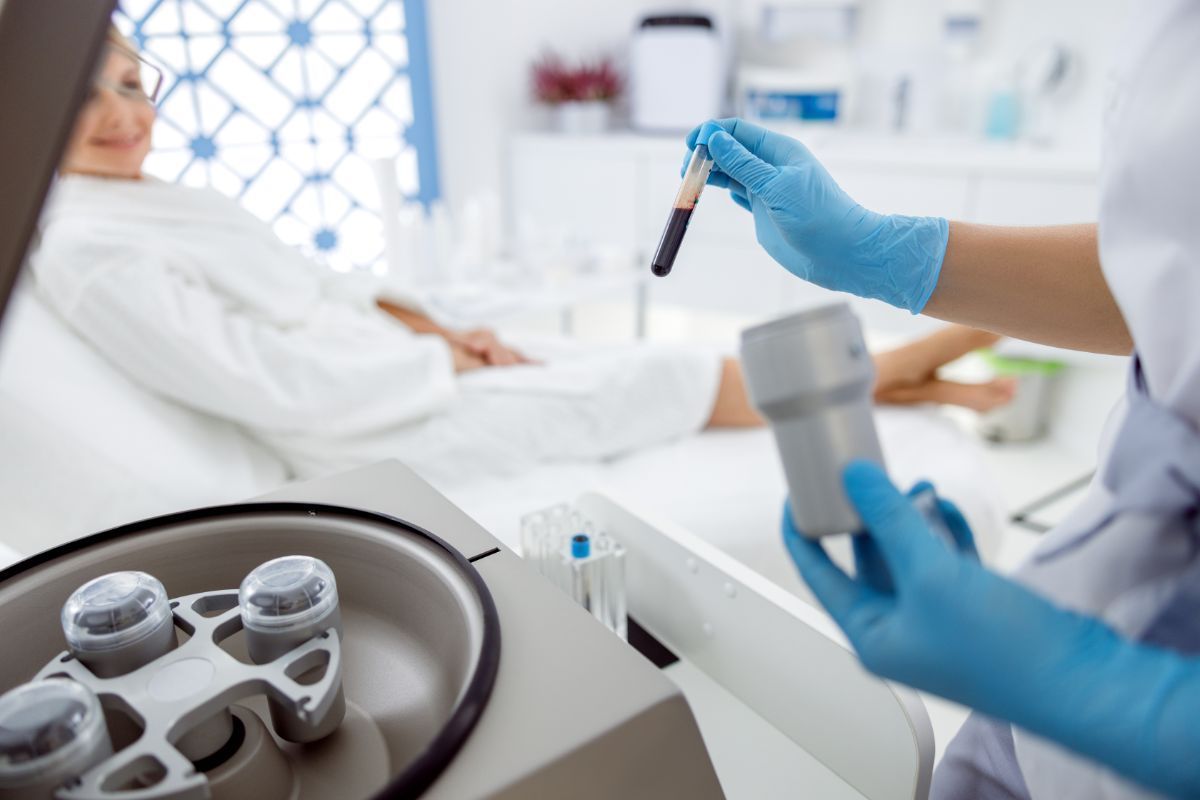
(612, 558)
(533, 538)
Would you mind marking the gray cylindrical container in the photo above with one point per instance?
(51, 732)
(285, 602)
(121, 622)
(811, 376)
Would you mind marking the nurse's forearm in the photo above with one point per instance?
(1039, 284)
(1130, 706)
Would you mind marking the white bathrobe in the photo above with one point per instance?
(199, 302)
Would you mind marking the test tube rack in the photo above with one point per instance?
(588, 565)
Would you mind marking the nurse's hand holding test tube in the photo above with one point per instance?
(920, 608)
(813, 228)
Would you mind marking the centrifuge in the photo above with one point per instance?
(465, 673)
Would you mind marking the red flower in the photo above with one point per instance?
(555, 82)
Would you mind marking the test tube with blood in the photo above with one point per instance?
(694, 178)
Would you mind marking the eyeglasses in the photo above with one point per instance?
(143, 87)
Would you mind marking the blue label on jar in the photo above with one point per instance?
(806, 106)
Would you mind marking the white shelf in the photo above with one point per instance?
(888, 153)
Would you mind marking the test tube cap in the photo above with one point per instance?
(44, 725)
(707, 130)
(287, 592)
(581, 545)
(114, 610)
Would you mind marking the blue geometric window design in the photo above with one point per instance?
(291, 106)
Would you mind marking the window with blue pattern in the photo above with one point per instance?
(290, 106)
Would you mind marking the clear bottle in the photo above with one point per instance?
(960, 82)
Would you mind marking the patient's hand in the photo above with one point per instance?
(909, 374)
(981, 397)
(483, 345)
(465, 360)
(473, 349)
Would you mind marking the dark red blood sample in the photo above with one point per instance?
(668, 246)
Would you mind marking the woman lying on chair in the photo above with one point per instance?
(199, 301)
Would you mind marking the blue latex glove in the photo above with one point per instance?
(927, 614)
(813, 228)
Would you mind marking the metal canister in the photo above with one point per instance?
(118, 622)
(121, 622)
(284, 603)
(811, 376)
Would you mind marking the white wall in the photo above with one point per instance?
(482, 51)
(1091, 28)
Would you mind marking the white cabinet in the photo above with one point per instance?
(617, 189)
(1035, 201)
(903, 190)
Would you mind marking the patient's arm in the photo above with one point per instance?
(415, 320)
(178, 338)
(732, 408)
(472, 349)
(904, 376)
(918, 360)
(908, 374)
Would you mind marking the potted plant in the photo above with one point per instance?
(581, 96)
